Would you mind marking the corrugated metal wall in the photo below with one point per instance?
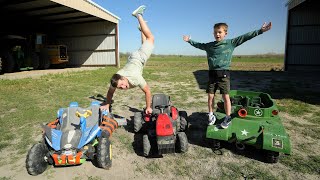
(89, 44)
(303, 37)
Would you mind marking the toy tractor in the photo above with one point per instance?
(255, 121)
(78, 134)
(163, 130)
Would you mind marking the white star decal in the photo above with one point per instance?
(244, 132)
(258, 112)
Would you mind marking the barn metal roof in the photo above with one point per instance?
(55, 11)
(293, 3)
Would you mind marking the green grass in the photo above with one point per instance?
(306, 165)
(27, 103)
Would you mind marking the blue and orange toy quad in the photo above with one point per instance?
(78, 134)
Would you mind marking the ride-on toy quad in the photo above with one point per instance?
(76, 135)
(163, 130)
(255, 121)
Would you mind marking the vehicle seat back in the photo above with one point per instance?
(160, 99)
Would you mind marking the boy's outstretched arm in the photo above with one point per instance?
(187, 38)
(245, 37)
(110, 93)
(147, 92)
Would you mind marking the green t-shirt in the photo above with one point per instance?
(133, 72)
(219, 54)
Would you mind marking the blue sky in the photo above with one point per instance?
(170, 19)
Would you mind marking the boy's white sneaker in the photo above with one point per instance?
(212, 119)
(139, 10)
(226, 122)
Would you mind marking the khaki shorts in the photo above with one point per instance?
(218, 79)
(143, 53)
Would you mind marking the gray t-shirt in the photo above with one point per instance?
(136, 61)
(133, 72)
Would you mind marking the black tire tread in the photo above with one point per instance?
(104, 159)
(182, 142)
(35, 162)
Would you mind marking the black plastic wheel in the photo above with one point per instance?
(183, 120)
(8, 63)
(137, 121)
(271, 156)
(44, 62)
(182, 142)
(35, 60)
(146, 145)
(36, 162)
(104, 155)
(1, 72)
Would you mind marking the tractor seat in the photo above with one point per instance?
(256, 102)
(160, 99)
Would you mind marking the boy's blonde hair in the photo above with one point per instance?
(223, 25)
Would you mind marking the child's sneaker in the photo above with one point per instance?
(212, 119)
(226, 122)
(139, 10)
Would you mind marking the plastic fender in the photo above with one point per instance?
(276, 140)
(56, 137)
(164, 125)
(174, 113)
(60, 111)
(88, 135)
(74, 104)
(95, 103)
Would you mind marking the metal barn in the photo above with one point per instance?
(303, 36)
(90, 32)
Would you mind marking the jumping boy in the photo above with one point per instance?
(219, 54)
(131, 74)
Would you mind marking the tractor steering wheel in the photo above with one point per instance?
(161, 107)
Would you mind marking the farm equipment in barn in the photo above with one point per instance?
(17, 54)
(30, 52)
(255, 122)
(78, 134)
(164, 130)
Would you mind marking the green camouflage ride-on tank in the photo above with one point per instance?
(255, 122)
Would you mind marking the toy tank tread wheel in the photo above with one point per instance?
(137, 121)
(104, 153)
(213, 143)
(146, 145)
(183, 120)
(36, 159)
(182, 142)
(271, 156)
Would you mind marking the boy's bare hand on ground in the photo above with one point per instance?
(266, 27)
(186, 38)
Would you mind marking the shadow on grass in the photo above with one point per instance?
(302, 86)
(196, 134)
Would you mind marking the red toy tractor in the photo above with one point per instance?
(164, 130)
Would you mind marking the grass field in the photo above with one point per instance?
(27, 103)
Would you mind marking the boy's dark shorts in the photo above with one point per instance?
(218, 79)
